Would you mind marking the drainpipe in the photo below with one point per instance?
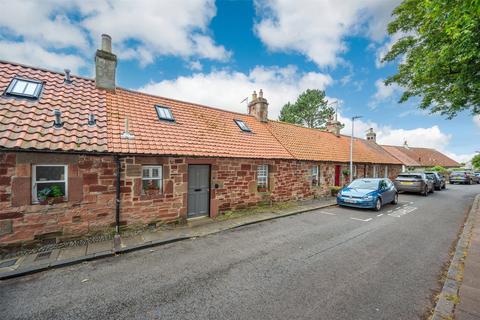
(116, 239)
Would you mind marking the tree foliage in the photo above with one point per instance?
(439, 50)
(476, 161)
(310, 110)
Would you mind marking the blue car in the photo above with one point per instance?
(368, 193)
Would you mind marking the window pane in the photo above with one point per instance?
(47, 173)
(154, 172)
(168, 114)
(42, 185)
(151, 184)
(30, 90)
(146, 173)
(19, 86)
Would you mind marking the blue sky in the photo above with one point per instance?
(217, 53)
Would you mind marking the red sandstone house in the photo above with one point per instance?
(80, 156)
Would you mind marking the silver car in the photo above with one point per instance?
(417, 182)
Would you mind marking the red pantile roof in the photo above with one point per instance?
(404, 158)
(316, 145)
(424, 157)
(28, 124)
(197, 131)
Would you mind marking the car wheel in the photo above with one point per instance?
(378, 204)
(395, 199)
(425, 191)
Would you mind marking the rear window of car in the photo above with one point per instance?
(458, 173)
(410, 176)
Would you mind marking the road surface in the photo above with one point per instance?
(334, 263)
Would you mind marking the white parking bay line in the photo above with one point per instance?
(364, 220)
(329, 213)
(379, 215)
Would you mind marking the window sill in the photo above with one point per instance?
(151, 196)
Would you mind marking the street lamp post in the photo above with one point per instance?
(351, 146)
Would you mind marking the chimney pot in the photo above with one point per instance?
(106, 43)
(371, 135)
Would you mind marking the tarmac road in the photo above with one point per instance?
(334, 263)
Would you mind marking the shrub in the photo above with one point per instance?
(334, 191)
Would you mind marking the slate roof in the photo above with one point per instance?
(28, 124)
(316, 145)
(425, 157)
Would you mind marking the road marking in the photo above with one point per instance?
(364, 220)
(379, 215)
(402, 211)
(389, 211)
(329, 213)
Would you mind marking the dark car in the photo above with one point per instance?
(439, 181)
(462, 177)
(414, 182)
(368, 193)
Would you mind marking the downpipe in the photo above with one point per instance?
(117, 241)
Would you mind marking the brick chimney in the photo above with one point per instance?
(371, 135)
(258, 107)
(105, 65)
(334, 126)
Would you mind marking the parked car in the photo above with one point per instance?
(463, 177)
(476, 176)
(368, 193)
(439, 181)
(414, 182)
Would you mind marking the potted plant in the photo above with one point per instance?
(151, 188)
(50, 195)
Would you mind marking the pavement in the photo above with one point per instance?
(46, 258)
(330, 263)
(468, 307)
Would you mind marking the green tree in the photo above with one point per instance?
(311, 110)
(439, 51)
(476, 161)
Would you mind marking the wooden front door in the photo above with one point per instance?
(337, 175)
(198, 190)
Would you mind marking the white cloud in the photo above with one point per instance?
(383, 93)
(476, 120)
(32, 54)
(318, 29)
(141, 30)
(226, 89)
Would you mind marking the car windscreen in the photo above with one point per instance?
(364, 184)
(458, 173)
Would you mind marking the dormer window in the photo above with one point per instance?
(242, 125)
(164, 113)
(24, 88)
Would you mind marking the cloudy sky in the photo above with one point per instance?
(217, 53)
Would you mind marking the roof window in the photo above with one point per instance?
(164, 113)
(25, 88)
(242, 125)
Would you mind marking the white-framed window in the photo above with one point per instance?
(386, 171)
(49, 180)
(152, 178)
(375, 171)
(315, 175)
(262, 176)
(354, 171)
(24, 88)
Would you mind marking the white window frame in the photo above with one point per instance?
(160, 175)
(315, 175)
(35, 182)
(262, 174)
(386, 171)
(354, 169)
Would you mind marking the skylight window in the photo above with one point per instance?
(242, 125)
(164, 113)
(24, 88)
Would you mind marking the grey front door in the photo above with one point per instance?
(198, 190)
